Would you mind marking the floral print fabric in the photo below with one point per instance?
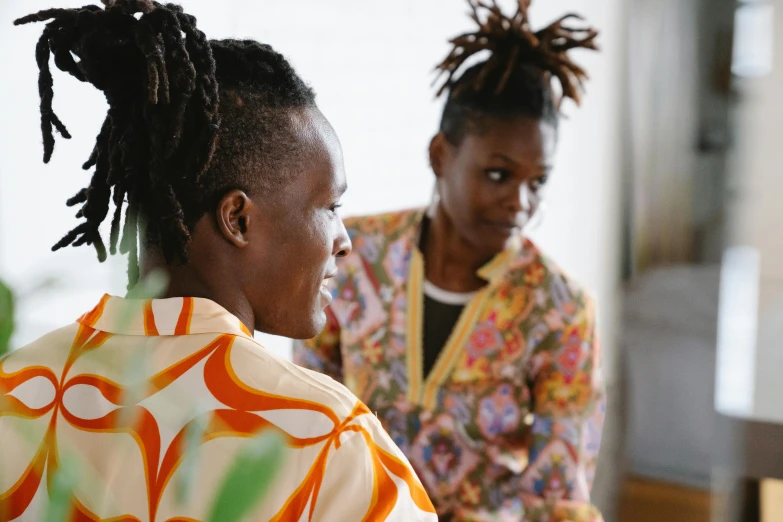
(507, 425)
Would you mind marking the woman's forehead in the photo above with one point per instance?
(517, 140)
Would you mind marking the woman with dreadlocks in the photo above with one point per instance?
(229, 176)
(477, 352)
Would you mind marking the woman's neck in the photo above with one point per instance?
(451, 262)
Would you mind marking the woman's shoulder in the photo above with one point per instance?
(388, 224)
(533, 267)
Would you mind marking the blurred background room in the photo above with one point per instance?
(664, 203)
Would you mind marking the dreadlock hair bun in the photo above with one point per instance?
(161, 151)
(517, 77)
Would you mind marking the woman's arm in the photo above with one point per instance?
(568, 407)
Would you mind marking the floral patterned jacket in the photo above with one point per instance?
(507, 425)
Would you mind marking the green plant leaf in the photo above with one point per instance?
(194, 436)
(152, 286)
(135, 374)
(63, 484)
(6, 317)
(249, 477)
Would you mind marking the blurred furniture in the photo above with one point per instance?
(675, 441)
(668, 345)
(668, 349)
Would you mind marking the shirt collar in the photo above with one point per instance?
(496, 267)
(153, 317)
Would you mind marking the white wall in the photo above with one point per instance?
(370, 62)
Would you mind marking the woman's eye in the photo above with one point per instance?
(497, 175)
(539, 182)
(334, 207)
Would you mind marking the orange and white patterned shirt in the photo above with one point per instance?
(119, 391)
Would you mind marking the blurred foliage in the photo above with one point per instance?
(61, 490)
(151, 286)
(249, 478)
(194, 436)
(6, 317)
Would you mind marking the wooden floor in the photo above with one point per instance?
(644, 500)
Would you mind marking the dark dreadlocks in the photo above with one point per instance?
(516, 80)
(186, 116)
